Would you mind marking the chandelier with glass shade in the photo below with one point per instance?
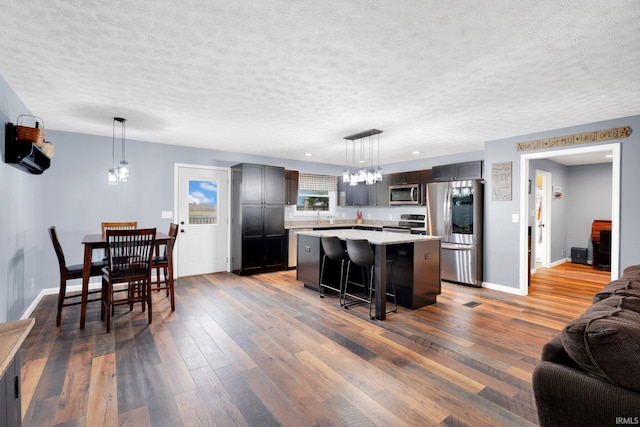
(363, 166)
(121, 172)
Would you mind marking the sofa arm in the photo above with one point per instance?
(568, 397)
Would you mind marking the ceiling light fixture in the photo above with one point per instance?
(123, 169)
(112, 178)
(367, 170)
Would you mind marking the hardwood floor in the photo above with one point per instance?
(262, 350)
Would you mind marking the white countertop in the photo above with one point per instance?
(374, 237)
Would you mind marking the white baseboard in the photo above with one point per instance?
(54, 291)
(501, 288)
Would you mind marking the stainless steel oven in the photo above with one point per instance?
(406, 194)
(409, 223)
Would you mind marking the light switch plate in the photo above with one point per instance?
(515, 218)
(167, 214)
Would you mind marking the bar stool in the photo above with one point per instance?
(361, 254)
(332, 247)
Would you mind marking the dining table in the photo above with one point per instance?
(92, 242)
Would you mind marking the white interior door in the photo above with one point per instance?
(543, 218)
(202, 198)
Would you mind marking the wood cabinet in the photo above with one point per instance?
(258, 234)
(353, 195)
(458, 171)
(400, 178)
(291, 187)
(12, 335)
(10, 407)
(364, 195)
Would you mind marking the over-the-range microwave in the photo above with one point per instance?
(405, 194)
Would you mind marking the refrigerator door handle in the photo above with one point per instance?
(447, 210)
(458, 248)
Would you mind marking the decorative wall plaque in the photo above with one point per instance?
(579, 138)
(501, 181)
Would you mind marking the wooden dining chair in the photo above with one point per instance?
(128, 225)
(69, 272)
(160, 262)
(129, 254)
(122, 225)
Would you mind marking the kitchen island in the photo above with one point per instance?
(416, 264)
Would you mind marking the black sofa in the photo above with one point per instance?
(589, 374)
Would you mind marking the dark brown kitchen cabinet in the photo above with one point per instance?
(258, 234)
(400, 178)
(381, 191)
(364, 195)
(353, 195)
(10, 409)
(291, 187)
(458, 171)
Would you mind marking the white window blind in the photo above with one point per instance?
(309, 181)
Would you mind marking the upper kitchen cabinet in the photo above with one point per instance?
(458, 171)
(262, 184)
(427, 176)
(401, 178)
(353, 195)
(291, 187)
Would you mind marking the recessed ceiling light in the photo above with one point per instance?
(609, 156)
(415, 152)
(308, 154)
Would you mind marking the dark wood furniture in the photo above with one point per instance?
(92, 242)
(457, 171)
(601, 247)
(160, 262)
(291, 187)
(416, 265)
(258, 233)
(12, 334)
(122, 225)
(129, 254)
(68, 272)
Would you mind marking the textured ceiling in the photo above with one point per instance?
(282, 78)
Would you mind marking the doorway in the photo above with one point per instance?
(614, 150)
(201, 201)
(542, 221)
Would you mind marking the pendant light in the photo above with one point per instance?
(366, 171)
(123, 169)
(112, 178)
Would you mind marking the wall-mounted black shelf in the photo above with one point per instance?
(23, 155)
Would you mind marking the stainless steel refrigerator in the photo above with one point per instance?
(454, 211)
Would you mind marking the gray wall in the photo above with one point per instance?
(502, 238)
(588, 198)
(22, 208)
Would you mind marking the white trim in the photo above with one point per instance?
(614, 148)
(547, 179)
(502, 288)
(54, 291)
